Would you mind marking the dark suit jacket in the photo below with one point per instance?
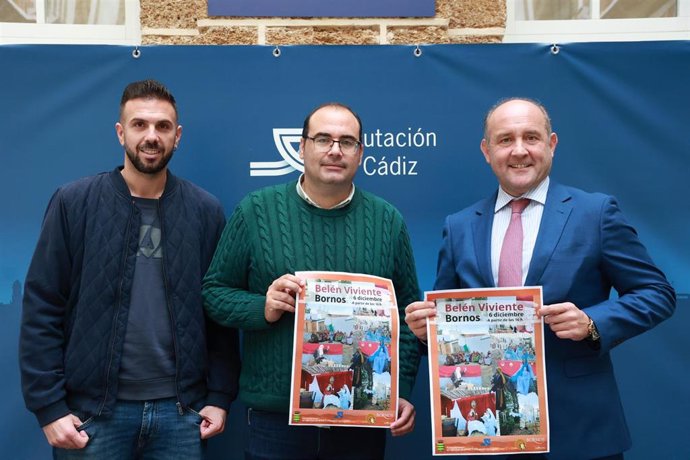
(584, 248)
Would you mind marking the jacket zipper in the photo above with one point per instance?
(119, 306)
(169, 304)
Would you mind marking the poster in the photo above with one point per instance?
(486, 372)
(345, 353)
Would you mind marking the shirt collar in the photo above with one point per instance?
(537, 194)
(305, 197)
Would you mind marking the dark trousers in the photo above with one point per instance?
(271, 437)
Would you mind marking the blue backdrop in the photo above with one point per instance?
(621, 112)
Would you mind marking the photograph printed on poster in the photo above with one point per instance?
(498, 362)
(355, 343)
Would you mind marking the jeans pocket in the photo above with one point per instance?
(85, 423)
(193, 412)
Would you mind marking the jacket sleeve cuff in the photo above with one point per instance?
(52, 412)
(222, 400)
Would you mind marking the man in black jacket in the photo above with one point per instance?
(117, 357)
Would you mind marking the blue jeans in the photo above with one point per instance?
(140, 430)
(271, 437)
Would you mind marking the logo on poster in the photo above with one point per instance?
(440, 446)
(379, 163)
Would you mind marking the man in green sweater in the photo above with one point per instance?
(320, 222)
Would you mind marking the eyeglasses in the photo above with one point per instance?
(324, 144)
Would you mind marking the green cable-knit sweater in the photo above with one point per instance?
(274, 232)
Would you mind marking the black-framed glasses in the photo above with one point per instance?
(323, 144)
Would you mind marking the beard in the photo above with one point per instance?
(149, 168)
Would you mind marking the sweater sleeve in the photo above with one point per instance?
(227, 298)
(406, 292)
(44, 313)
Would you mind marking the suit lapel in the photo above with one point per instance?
(556, 213)
(481, 234)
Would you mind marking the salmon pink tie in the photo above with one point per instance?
(510, 262)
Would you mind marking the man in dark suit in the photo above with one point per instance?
(577, 246)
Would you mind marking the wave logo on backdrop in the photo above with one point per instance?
(287, 143)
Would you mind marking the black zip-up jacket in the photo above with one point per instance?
(77, 295)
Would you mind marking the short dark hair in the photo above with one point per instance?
(535, 102)
(305, 127)
(147, 89)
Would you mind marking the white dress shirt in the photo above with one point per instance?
(305, 197)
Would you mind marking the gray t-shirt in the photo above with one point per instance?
(147, 370)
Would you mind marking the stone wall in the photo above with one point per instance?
(186, 22)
